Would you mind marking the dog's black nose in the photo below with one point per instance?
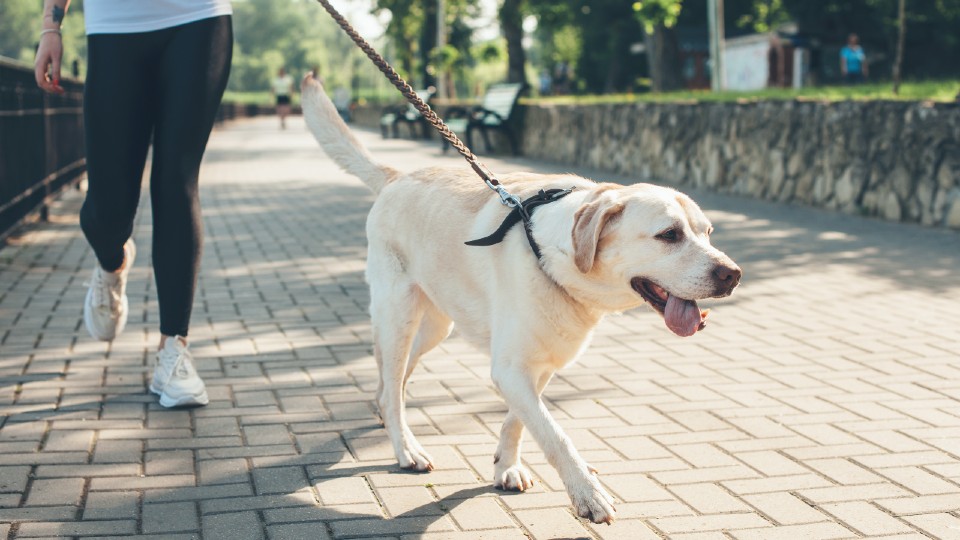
(727, 278)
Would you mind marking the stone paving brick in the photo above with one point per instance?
(852, 493)
(771, 463)
(866, 518)
(812, 531)
(169, 462)
(785, 508)
(14, 479)
(104, 505)
(108, 451)
(60, 491)
(80, 528)
(481, 513)
(501, 534)
(712, 474)
(940, 525)
(197, 493)
(298, 531)
(408, 501)
(550, 523)
(325, 513)
(717, 522)
(920, 481)
(233, 526)
(842, 471)
(709, 499)
(142, 482)
(63, 471)
(926, 504)
(222, 471)
(170, 517)
(279, 480)
(634, 529)
(391, 527)
(703, 455)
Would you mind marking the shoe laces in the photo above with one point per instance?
(182, 365)
(105, 295)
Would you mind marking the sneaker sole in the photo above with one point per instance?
(169, 402)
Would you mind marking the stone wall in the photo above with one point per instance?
(896, 160)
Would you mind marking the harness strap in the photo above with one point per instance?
(522, 212)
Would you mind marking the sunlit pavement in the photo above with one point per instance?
(822, 401)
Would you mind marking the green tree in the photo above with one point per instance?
(603, 32)
(659, 19)
(511, 25)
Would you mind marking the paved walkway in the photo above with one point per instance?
(822, 402)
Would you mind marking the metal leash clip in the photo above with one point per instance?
(506, 198)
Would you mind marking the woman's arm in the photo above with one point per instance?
(50, 52)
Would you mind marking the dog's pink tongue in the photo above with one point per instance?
(682, 316)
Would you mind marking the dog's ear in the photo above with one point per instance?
(588, 224)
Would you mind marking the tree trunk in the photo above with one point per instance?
(663, 56)
(511, 24)
(898, 63)
(428, 42)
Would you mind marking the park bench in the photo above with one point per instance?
(407, 114)
(494, 113)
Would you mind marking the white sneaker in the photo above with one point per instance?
(174, 377)
(105, 308)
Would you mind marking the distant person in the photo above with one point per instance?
(546, 83)
(853, 62)
(282, 88)
(561, 78)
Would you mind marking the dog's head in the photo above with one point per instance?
(653, 243)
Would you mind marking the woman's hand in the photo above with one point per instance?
(46, 68)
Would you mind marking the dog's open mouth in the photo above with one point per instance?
(683, 317)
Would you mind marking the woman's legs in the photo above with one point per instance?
(193, 70)
(118, 121)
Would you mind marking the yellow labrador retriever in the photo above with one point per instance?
(605, 248)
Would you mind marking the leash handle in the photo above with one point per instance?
(428, 114)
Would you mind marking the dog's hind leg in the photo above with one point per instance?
(509, 473)
(396, 310)
(434, 328)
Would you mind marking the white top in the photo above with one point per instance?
(282, 85)
(131, 16)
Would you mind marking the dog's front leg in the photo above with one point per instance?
(508, 472)
(518, 384)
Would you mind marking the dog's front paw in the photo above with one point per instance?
(513, 478)
(415, 460)
(592, 502)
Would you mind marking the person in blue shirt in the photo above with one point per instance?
(853, 63)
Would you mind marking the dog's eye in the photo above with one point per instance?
(669, 235)
(710, 230)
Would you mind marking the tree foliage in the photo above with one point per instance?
(596, 43)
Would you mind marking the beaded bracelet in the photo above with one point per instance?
(50, 31)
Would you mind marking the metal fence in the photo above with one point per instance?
(41, 143)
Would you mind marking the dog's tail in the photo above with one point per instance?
(336, 139)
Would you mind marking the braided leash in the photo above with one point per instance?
(428, 114)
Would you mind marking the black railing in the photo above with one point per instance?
(41, 142)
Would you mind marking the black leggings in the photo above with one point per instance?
(166, 84)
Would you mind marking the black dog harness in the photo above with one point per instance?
(522, 212)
